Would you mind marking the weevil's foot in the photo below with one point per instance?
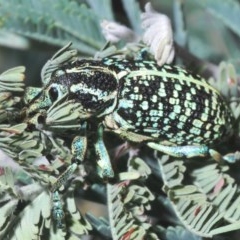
(216, 156)
(105, 172)
(232, 157)
(62, 179)
(57, 209)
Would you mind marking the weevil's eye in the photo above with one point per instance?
(53, 93)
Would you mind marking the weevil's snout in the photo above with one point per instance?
(38, 105)
(34, 99)
(36, 121)
(39, 99)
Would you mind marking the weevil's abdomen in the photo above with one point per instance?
(169, 104)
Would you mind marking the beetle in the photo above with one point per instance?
(166, 107)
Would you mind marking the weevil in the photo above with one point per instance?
(168, 108)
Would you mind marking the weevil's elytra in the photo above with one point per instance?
(170, 104)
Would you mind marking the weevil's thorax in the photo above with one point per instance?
(89, 83)
(93, 85)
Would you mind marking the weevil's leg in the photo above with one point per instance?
(62, 179)
(104, 164)
(230, 157)
(58, 213)
(216, 155)
(79, 147)
(190, 151)
(181, 151)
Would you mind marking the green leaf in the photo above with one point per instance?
(100, 224)
(39, 218)
(56, 23)
(12, 40)
(173, 170)
(12, 79)
(133, 12)
(127, 204)
(180, 33)
(226, 81)
(227, 11)
(6, 215)
(208, 37)
(179, 233)
(62, 56)
(102, 8)
(79, 225)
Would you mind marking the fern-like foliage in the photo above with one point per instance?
(128, 201)
(62, 21)
(56, 23)
(221, 12)
(153, 196)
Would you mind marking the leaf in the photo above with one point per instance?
(7, 179)
(64, 114)
(179, 233)
(37, 216)
(227, 11)
(100, 224)
(226, 81)
(56, 23)
(220, 188)
(6, 214)
(208, 37)
(30, 217)
(20, 144)
(180, 34)
(79, 225)
(201, 207)
(12, 79)
(16, 129)
(64, 55)
(133, 12)
(102, 8)
(127, 218)
(11, 40)
(173, 171)
(200, 216)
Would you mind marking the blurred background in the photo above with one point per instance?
(30, 34)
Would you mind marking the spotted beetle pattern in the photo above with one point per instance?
(164, 104)
(170, 104)
(168, 108)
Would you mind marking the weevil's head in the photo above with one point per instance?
(88, 84)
